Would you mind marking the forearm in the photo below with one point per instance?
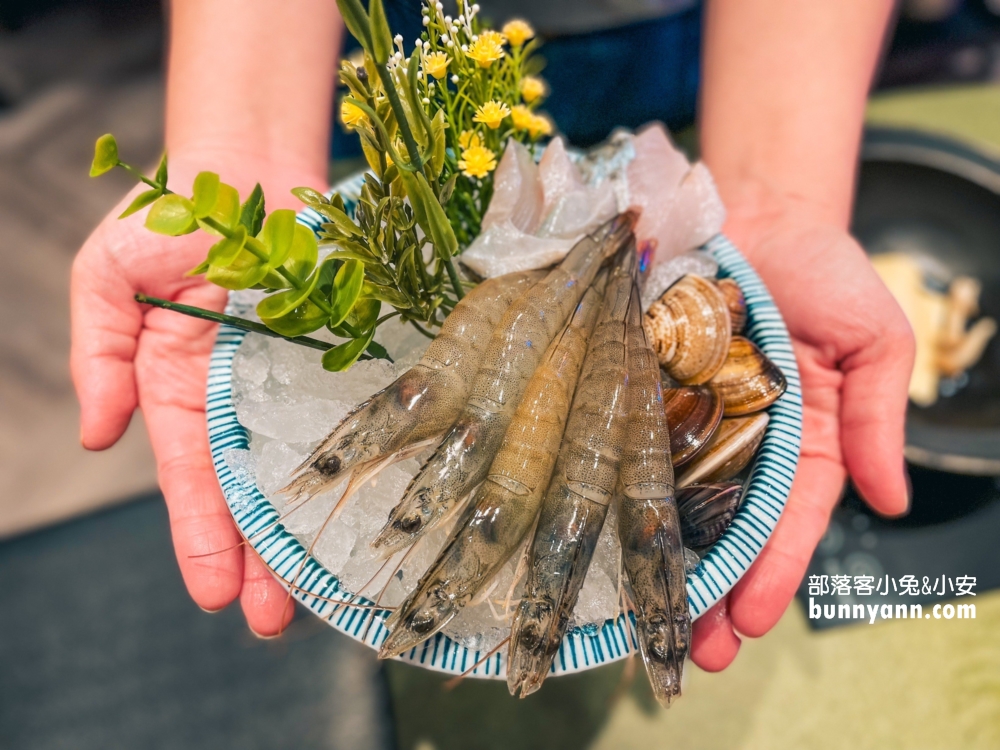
(252, 80)
(785, 84)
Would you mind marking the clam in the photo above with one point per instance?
(748, 381)
(690, 328)
(728, 452)
(706, 511)
(736, 303)
(693, 414)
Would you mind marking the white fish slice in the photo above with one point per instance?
(680, 205)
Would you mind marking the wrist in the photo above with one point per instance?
(756, 207)
(243, 166)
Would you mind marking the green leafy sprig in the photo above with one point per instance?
(255, 250)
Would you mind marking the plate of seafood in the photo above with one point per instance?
(589, 454)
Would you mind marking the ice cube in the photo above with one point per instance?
(275, 464)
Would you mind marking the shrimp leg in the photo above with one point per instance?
(648, 520)
(463, 458)
(424, 401)
(577, 500)
(506, 504)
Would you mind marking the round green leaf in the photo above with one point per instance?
(171, 215)
(340, 357)
(242, 273)
(206, 194)
(346, 289)
(303, 253)
(364, 314)
(226, 250)
(282, 303)
(272, 280)
(105, 155)
(304, 319)
(277, 235)
(225, 212)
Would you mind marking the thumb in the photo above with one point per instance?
(873, 414)
(105, 324)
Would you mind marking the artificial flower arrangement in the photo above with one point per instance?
(432, 127)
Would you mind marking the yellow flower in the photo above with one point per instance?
(469, 138)
(539, 126)
(493, 36)
(518, 32)
(487, 49)
(525, 119)
(521, 116)
(491, 114)
(352, 115)
(477, 161)
(436, 64)
(532, 88)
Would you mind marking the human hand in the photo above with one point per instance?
(854, 349)
(124, 356)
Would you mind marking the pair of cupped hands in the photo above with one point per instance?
(853, 345)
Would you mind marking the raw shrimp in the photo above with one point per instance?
(506, 504)
(518, 344)
(577, 500)
(424, 401)
(648, 520)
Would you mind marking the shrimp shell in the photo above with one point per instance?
(424, 401)
(506, 504)
(463, 458)
(648, 521)
(577, 500)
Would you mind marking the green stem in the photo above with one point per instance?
(456, 283)
(140, 176)
(230, 320)
(412, 150)
(423, 330)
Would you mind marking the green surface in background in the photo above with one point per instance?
(967, 113)
(911, 685)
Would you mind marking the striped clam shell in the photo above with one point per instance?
(689, 328)
(693, 415)
(728, 452)
(748, 381)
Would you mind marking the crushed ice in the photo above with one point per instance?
(289, 403)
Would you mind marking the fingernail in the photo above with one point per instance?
(263, 637)
(210, 611)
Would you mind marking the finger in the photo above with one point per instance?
(105, 323)
(761, 596)
(714, 643)
(873, 415)
(266, 604)
(205, 538)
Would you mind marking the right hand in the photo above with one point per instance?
(124, 356)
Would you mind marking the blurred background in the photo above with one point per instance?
(100, 646)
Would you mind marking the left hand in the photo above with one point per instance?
(855, 353)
